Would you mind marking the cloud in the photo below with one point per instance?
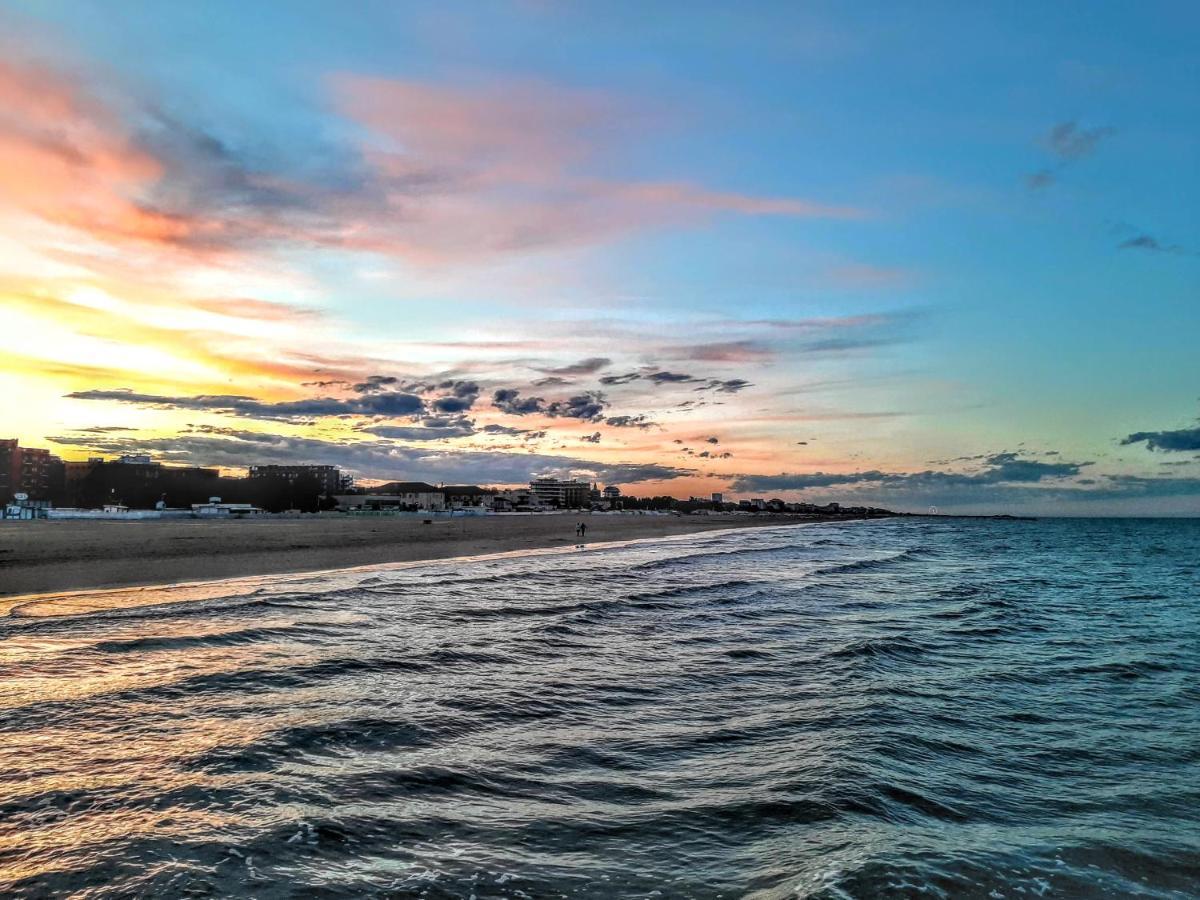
(999, 468)
(593, 438)
(414, 433)
(670, 378)
(639, 421)
(1039, 180)
(261, 310)
(503, 166)
(608, 380)
(373, 459)
(375, 404)
(713, 440)
(435, 174)
(509, 400)
(589, 407)
(1150, 244)
(747, 351)
(588, 366)
(509, 431)
(1068, 143)
(373, 383)
(729, 386)
(451, 404)
(1179, 440)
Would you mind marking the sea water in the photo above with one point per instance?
(934, 707)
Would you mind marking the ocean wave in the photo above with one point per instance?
(970, 709)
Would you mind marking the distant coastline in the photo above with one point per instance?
(46, 557)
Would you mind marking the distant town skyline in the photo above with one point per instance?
(949, 259)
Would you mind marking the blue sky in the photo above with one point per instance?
(1010, 192)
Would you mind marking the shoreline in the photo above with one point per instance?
(91, 600)
(61, 558)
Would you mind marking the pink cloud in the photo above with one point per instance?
(444, 174)
(511, 166)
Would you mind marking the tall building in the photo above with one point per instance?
(328, 478)
(28, 470)
(718, 497)
(562, 494)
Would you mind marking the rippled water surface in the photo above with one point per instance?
(959, 708)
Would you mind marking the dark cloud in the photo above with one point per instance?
(1150, 244)
(639, 421)
(731, 386)
(588, 366)
(509, 400)
(1180, 440)
(451, 404)
(593, 438)
(372, 404)
(713, 440)
(589, 407)
(523, 433)
(371, 384)
(372, 459)
(551, 381)
(670, 378)
(609, 380)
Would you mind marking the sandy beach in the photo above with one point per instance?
(41, 556)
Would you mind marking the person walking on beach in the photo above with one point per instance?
(582, 530)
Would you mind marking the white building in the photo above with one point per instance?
(561, 494)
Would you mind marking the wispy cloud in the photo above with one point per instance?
(1067, 142)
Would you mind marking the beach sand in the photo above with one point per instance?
(41, 556)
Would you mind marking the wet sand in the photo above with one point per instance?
(40, 557)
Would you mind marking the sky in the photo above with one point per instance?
(943, 256)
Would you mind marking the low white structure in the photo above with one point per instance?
(113, 511)
(215, 509)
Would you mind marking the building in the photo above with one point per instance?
(518, 500)
(32, 471)
(138, 483)
(612, 492)
(328, 479)
(396, 496)
(462, 495)
(561, 494)
(718, 498)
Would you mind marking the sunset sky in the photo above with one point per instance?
(941, 256)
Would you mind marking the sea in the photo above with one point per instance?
(926, 707)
